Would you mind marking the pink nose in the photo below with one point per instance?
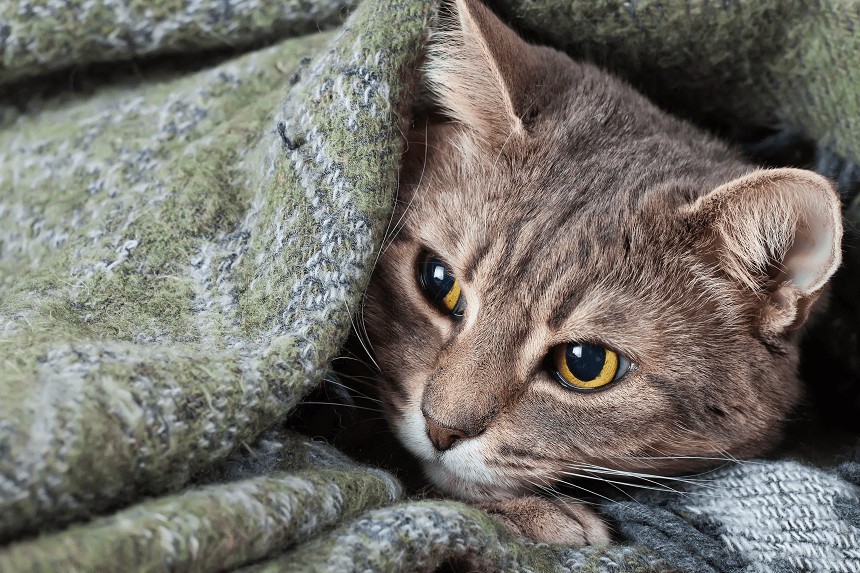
(443, 437)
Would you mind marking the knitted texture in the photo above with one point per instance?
(175, 275)
(779, 516)
(38, 37)
(182, 251)
(217, 527)
(778, 63)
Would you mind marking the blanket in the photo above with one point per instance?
(192, 196)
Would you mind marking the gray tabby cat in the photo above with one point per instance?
(582, 284)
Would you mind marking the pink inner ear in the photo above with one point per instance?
(785, 220)
(810, 256)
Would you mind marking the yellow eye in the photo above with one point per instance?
(441, 287)
(583, 366)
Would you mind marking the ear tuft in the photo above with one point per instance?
(779, 234)
(479, 70)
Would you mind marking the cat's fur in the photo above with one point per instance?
(571, 209)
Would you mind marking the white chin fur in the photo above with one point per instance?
(452, 483)
(460, 471)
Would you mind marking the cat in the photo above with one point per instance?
(581, 284)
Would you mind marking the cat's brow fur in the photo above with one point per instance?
(571, 209)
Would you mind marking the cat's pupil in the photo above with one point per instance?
(440, 286)
(441, 282)
(585, 361)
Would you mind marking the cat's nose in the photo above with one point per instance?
(443, 437)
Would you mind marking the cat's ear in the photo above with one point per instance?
(778, 233)
(480, 71)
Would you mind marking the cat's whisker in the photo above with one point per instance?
(351, 389)
(577, 486)
(660, 487)
(358, 378)
(627, 458)
(668, 456)
(405, 218)
(613, 483)
(381, 249)
(557, 494)
(373, 378)
(425, 491)
(550, 475)
(373, 366)
(363, 324)
(735, 460)
(597, 471)
(688, 476)
(638, 475)
(645, 476)
(399, 226)
(358, 335)
(353, 357)
(313, 402)
(367, 381)
(669, 489)
(391, 231)
(728, 458)
(616, 484)
(390, 239)
(541, 486)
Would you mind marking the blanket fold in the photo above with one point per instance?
(41, 37)
(309, 489)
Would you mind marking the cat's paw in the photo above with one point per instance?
(551, 521)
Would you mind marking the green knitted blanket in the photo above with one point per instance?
(192, 195)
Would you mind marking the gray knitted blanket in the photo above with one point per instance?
(192, 195)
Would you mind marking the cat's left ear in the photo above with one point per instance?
(778, 233)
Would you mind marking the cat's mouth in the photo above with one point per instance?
(450, 481)
(463, 470)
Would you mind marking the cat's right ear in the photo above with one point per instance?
(480, 71)
(777, 233)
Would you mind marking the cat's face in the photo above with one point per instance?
(569, 285)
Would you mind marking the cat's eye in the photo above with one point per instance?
(440, 286)
(583, 366)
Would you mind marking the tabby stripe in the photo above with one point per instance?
(474, 261)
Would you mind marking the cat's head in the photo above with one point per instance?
(576, 279)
